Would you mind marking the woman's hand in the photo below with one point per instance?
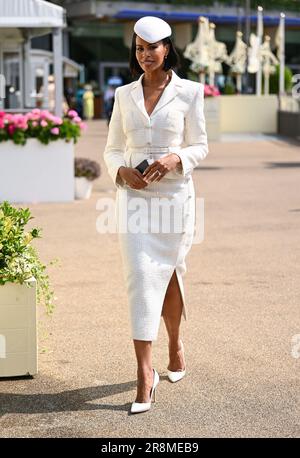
(163, 165)
(132, 177)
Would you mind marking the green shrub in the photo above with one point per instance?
(274, 80)
(19, 260)
(229, 89)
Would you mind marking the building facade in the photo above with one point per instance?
(99, 32)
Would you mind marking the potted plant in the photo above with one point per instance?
(24, 282)
(86, 171)
(37, 156)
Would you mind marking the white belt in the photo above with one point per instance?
(153, 149)
(150, 150)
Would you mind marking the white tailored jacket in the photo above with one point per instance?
(177, 123)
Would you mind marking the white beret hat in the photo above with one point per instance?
(152, 29)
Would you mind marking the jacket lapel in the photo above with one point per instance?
(168, 94)
(138, 96)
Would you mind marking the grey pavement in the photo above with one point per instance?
(242, 289)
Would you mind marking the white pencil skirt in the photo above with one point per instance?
(155, 227)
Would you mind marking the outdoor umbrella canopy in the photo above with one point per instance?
(30, 13)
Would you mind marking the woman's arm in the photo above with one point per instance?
(115, 146)
(195, 136)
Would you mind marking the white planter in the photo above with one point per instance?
(18, 330)
(37, 173)
(212, 117)
(83, 188)
(249, 113)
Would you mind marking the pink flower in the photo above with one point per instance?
(32, 116)
(9, 117)
(31, 120)
(215, 91)
(50, 117)
(57, 120)
(72, 113)
(22, 125)
(207, 90)
(83, 126)
(45, 114)
(11, 128)
(210, 90)
(19, 121)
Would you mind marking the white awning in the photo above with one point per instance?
(30, 14)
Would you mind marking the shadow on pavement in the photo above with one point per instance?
(273, 165)
(70, 400)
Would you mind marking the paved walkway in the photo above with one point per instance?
(243, 294)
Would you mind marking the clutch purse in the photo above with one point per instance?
(142, 165)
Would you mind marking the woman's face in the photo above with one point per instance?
(150, 56)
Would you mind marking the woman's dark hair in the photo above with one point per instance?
(171, 61)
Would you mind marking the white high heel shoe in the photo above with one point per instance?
(175, 376)
(137, 407)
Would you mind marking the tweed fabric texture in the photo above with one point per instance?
(150, 257)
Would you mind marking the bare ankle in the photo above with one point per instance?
(175, 344)
(144, 371)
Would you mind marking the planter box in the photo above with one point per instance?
(83, 188)
(37, 173)
(212, 117)
(18, 329)
(289, 124)
(249, 113)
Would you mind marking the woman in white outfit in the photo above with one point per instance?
(159, 118)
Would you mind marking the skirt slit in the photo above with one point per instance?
(181, 292)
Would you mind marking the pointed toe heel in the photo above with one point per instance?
(175, 376)
(138, 407)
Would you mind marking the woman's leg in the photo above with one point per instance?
(171, 312)
(143, 351)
